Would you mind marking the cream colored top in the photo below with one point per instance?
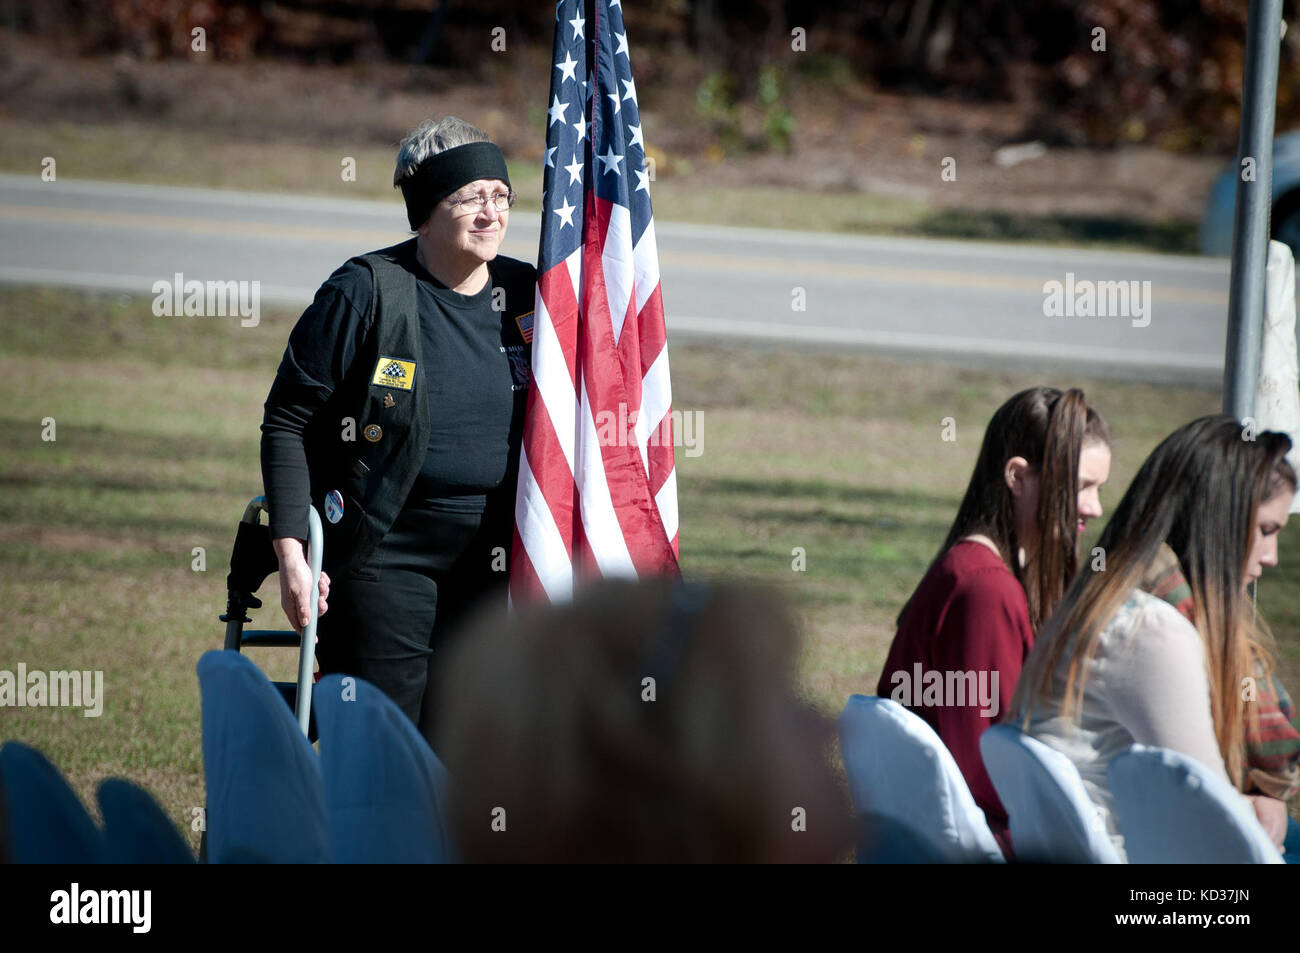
(1147, 684)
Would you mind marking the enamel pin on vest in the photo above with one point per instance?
(373, 432)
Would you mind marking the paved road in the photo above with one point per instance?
(975, 302)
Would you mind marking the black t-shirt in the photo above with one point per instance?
(475, 372)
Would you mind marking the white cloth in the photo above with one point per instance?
(1053, 821)
(1175, 811)
(899, 769)
(1146, 684)
(1277, 393)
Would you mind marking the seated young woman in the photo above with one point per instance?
(966, 630)
(1119, 664)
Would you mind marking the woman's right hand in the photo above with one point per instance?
(1272, 816)
(295, 583)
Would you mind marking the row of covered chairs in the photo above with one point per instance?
(42, 821)
(375, 793)
(914, 806)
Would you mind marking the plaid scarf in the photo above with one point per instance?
(1272, 744)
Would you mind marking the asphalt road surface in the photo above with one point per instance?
(972, 302)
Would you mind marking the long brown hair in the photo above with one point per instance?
(1048, 427)
(1199, 491)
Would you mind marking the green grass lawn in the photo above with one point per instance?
(156, 453)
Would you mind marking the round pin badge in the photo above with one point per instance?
(334, 506)
(373, 432)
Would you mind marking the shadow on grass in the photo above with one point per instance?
(819, 490)
(147, 478)
(751, 525)
(30, 560)
(53, 322)
(1168, 236)
(89, 514)
(100, 444)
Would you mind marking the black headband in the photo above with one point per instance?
(439, 175)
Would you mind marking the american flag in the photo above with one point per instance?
(597, 487)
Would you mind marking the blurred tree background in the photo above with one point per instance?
(1087, 72)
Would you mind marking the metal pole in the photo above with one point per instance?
(1254, 199)
(307, 648)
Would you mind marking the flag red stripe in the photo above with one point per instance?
(606, 390)
(550, 468)
(524, 581)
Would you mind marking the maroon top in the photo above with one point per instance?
(968, 614)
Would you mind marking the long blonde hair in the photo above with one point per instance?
(1199, 492)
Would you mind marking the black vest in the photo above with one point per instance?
(369, 440)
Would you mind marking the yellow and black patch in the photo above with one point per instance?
(392, 372)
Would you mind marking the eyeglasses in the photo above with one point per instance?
(501, 201)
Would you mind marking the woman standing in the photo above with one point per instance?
(1119, 664)
(1008, 557)
(398, 410)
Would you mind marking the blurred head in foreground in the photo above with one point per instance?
(645, 722)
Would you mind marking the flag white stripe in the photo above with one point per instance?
(551, 372)
(645, 259)
(656, 400)
(616, 260)
(600, 522)
(542, 540)
(666, 501)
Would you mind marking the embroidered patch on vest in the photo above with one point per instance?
(392, 372)
(525, 322)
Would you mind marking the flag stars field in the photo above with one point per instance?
(565, 212)
(557, 111)
(567, 67)
(611, 161)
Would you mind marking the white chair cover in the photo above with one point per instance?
(899, 769)
(1052, 818)
(1173, 810)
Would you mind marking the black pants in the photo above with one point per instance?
(388, 621)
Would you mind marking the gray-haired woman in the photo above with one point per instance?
(398, 410)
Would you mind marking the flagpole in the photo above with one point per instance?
(1253, 202)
